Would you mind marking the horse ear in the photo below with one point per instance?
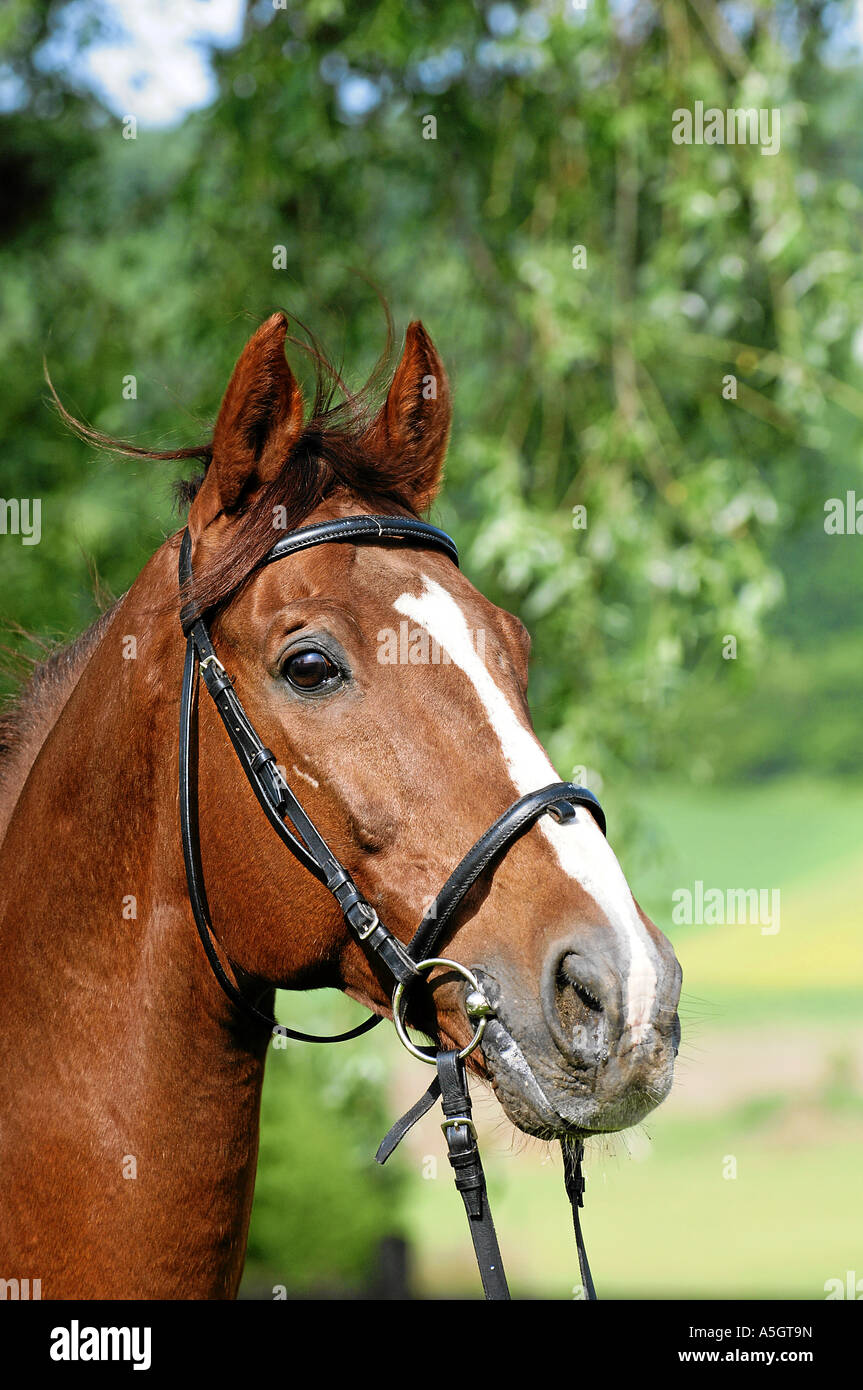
(413, 423)
(260, 420)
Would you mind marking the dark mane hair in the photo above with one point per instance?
(333, 453)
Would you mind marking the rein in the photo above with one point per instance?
(405, 964)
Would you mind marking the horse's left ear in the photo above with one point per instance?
(411, 430)
(260, 420)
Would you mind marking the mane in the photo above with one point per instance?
(334, 453)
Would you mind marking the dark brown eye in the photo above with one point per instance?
(309, 670)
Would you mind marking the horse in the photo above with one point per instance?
(131, 1082)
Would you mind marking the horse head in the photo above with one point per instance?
(394, 698)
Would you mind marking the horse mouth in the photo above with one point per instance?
(558, 1103)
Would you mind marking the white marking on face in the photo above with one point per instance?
(581, 848)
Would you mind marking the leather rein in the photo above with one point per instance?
(405, 964)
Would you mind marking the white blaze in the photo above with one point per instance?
(581, 848)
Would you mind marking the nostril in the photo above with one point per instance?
(580, 1002)
(581, 1026)
(570, 977)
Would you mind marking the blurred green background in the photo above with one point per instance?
(293, 136)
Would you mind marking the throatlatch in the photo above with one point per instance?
(406, 964)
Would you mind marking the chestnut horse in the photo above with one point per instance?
(121, 1053)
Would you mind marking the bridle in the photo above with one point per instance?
(406, 964)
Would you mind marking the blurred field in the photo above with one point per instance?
(802, 837)
(770, 1075)
(666, 1223)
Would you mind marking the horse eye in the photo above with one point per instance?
(309, 670)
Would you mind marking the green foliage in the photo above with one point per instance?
(599, 387)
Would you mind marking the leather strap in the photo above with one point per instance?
(278, 801)
(376, 528)
(195, 877)
(451, 1082)
(394, 1137)
(573, 1178)
(469, 1176)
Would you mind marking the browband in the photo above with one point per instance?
(346, 528)
(349, 528)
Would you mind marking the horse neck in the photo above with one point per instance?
(96, 939)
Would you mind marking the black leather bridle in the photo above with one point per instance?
(406, 964)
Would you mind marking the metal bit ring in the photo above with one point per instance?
(399, 1002)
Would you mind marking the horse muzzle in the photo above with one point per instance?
(569, 1062)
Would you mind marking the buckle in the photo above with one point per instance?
(363, 933)
(212, 660)
(453, 1121)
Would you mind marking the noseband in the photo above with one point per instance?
(405, 964)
